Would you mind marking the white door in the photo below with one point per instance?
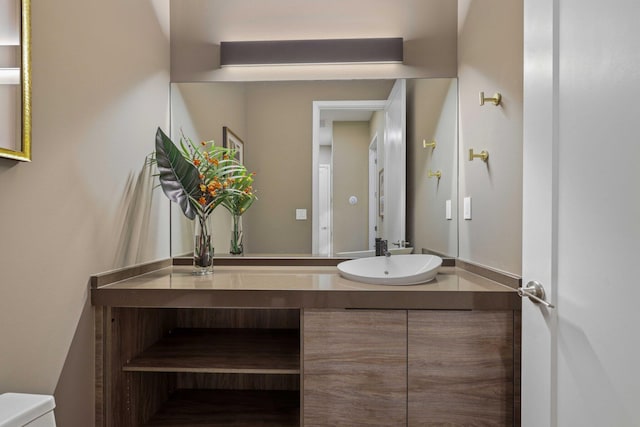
(395, 156)
(324, 208)
(539, 240)
(581, 213)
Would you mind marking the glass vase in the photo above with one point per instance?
(202, 246)
(235, 248)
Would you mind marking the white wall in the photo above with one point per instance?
(598, 213)
(490, 60)
(85, 203)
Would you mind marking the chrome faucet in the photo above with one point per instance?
(384, 249)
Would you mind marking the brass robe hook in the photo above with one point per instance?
(436, 174)
(484, 155)
(431, 144)
(495, 100)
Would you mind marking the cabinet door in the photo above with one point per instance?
(461, 368)
(354, 366)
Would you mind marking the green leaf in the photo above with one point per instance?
(178, 177)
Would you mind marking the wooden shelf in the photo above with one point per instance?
(204, 350)
(238, 408)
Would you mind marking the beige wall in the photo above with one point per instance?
(432, 115)
(490, 60)
(198, 26)
(278, 149)
(85, 203)
(350, 178)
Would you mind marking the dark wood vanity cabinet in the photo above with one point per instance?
(311, 367)
(209, 367)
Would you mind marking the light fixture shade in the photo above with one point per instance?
(329, 51)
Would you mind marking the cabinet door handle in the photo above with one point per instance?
(535, 292)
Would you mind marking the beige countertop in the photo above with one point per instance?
(300, 287)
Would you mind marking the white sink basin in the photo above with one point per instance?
(411, 269)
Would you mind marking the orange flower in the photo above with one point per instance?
(203, 188)
(196, 162)
(202, 201)
(212, 193)
(211, 186)
(201, 176)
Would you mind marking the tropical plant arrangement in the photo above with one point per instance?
(241, 196)
(199, 178)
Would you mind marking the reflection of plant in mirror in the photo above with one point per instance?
(199, 178)
(241, 197)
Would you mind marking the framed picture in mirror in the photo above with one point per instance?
(15, 79)
(233, 141)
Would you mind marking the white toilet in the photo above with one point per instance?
(32, 410)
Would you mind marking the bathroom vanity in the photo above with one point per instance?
(285, 344)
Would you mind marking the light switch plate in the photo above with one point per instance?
(467, 208)
(447, 209)
(301, 214)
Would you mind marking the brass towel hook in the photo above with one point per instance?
(431, 144)
(484, 155)
(436, 174)
(495, 100)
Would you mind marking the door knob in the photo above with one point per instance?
(535, 292)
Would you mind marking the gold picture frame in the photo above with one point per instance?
(23, 153)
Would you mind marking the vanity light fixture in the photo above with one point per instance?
(495, 100)
(324, 51)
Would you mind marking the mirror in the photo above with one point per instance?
(275, 122)
(15, 79)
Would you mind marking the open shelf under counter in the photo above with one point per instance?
(239, 408)
(222, 350)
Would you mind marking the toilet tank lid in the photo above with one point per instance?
(17, 409)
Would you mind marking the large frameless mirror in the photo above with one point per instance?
(276, 122)
(15, 79)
